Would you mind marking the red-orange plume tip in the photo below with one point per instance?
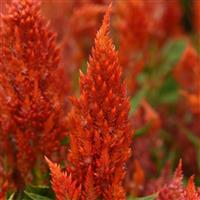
(47, 161)
(104, 30)
(178, 171)
(191, 183)
(106, 19)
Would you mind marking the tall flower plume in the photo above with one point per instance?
(31, 98)
(100, 133)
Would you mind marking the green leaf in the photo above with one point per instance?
(151, 197)
(142, 131)
(192, 137)
(168, 92)
(84, 66)
(11, 197)
(65, 141)
(136, 100)
(172, 52)
(33, 196)
(41, 190)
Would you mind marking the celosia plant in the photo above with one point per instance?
(100, 133)
(31, 96)
(174, 190)
(187, 72)
(91, 133)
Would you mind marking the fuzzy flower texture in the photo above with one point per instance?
(174, 190)
(100, 133)
(31, 103)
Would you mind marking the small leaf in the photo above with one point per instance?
(192, 137)
(136, 100)
(142, 131)
(40, 190)
(172, 52)
(11, 197)
(84, 66)
(65, 141)
(169, 91)
(33, 196)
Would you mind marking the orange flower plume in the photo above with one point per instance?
(62, 183)
(187, 73)
(100, 133)
(31, 99)
(192, 194)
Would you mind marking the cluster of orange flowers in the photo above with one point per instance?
(38, 118)
(31, 96)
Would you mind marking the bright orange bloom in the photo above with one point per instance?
(187, 73)
(62, 184)
(100, 134)
(31, 98)
(192, 194)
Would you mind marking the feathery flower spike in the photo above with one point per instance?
(174, 189)
(30, 99)
(192, 194)
(62, 183)
(100, 133)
